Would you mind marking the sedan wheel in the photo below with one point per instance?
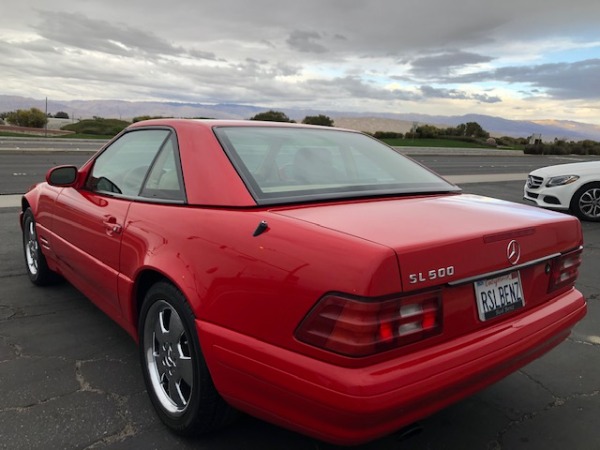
(176, 375)
(35, 262)
(586, 202)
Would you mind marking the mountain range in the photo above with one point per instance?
(363, 121)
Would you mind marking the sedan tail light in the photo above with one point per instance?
(565, 270)
(361, 327)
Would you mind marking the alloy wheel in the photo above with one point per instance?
(589, 203)
(32, 249)
(168, 357)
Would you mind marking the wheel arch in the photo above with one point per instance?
(144, 280)
(31, 200)
(24, 206)
(587, 184)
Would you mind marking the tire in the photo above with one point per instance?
(35, 261)
(175, 372)
(585, 203)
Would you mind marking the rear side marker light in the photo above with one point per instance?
(358, 327)
(565, 270)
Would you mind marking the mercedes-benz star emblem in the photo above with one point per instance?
(513, 252)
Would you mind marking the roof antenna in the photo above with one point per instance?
(261, 228)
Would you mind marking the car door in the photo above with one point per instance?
(89, 222)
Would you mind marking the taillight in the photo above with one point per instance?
(565, 270)
(361, 327)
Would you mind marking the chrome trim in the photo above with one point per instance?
(534, 182)
(497, 273)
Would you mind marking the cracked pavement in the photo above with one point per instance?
(70, 378)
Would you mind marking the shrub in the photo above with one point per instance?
(559, 147)
(427, 132)
(33, 118)
(387, 135)
(140, 118)
(318, 120)
(97, 126)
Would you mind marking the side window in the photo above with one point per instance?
(122, 167)
(164, 180)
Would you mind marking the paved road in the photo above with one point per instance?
(71, 378)
(17, 144)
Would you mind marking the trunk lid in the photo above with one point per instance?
(444, 239)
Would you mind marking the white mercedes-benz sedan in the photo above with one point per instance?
(567, 187)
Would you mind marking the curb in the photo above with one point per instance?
(10, 201)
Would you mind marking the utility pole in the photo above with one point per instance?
(46, 125)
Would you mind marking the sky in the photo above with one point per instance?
(517, 59)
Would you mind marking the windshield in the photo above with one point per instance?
(283, 164)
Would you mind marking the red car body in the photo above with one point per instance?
(262, 278)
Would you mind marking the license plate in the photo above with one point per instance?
(499, 295)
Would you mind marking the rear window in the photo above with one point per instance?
(287, 164)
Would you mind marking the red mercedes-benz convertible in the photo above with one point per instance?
(310, 276)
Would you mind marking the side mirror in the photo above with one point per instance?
(62, 176)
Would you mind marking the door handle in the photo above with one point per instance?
(112, 227)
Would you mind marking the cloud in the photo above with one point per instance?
(560, 80)
(426, 57)
(79, 31)
(485, 98)
(306, 41)
(445, 63)
(200, 54)
(457, 94)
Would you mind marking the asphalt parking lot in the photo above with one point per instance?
(71, 378)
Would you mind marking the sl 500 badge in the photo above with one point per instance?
(431, 275)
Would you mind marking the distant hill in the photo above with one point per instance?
(496, 126)
(360, 120)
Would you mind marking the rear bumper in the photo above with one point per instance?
(354, 405)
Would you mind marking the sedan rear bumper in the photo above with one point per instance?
(347, 405)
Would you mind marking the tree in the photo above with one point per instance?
(318, 120)
(33, 118)
(473, 129)
(272, 116)
(427, 131)
(61, 115)
(453, 131)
